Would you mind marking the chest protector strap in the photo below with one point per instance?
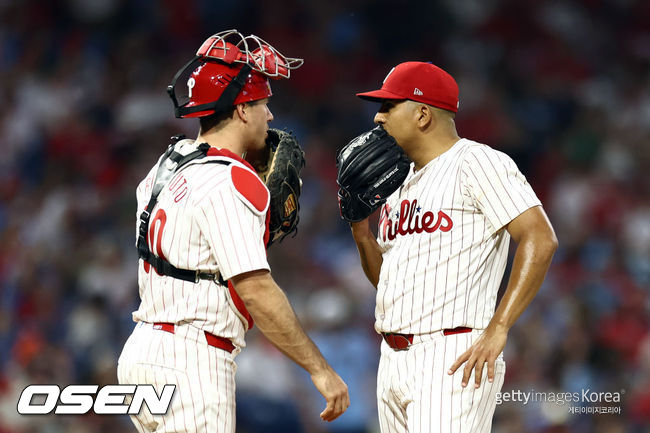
(171, 163)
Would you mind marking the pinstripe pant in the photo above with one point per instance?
(204, 376)
(416, 395)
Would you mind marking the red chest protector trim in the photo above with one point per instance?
(251, 188)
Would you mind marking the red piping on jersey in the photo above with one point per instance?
(267, 233)
(239, 304)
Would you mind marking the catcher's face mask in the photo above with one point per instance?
(229, 73)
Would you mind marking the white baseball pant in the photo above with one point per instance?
(416, 395)
(204, 376)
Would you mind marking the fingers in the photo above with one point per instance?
(462, 358)
(491, 363)
(326, 414)
(335, 391)
(485, 349)
(469, 361)
(344, 403)
(467, 371)
(341, 407)
(478, 372)
(335, 407)
(476, 363)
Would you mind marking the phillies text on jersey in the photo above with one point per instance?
(443, 240)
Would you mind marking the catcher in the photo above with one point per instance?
(205, 220)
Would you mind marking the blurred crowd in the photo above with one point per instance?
(561, 86)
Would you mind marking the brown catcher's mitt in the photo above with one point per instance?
(279, 165)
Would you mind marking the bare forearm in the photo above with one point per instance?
(531, 262)
(270, 308)
(369, 251)
(274, 316)
(532, 258)
(536, 244)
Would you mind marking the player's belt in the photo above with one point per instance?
(404, 341)
(457, 330)
(398, 341)
(212, 340)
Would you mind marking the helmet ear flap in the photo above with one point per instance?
(171, 89)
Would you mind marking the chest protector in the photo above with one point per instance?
(170, 164)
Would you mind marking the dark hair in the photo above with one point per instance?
(209, 122)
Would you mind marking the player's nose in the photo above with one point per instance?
(380, 118)
(269, 115)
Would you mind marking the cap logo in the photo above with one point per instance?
(190, 85)
(388, 75)
(418, 92)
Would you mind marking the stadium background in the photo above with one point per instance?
(562, 86)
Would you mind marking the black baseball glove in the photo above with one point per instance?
(279, 165)
(370, 168)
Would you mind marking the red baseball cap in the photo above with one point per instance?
(418, 81)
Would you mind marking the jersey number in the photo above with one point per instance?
(159, 220)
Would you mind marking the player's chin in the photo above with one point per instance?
(262, 143)
(397, 138)
(388, 130)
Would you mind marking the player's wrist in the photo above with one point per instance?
(361, 230)
(320, 371)
(501, 326)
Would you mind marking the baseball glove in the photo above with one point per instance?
(279, 165)
(370, 168)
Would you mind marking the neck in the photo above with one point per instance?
(432, 147)
(223, 138)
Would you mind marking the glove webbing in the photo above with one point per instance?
(163, 175)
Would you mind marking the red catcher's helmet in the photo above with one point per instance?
(208, 82)
(230, 73)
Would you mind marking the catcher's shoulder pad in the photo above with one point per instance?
(249, 188)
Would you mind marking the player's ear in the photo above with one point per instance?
(424, 116)
(241, 111)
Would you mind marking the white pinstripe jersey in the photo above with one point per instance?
(202, 221)
(443, 240)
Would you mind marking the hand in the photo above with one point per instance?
(485, 349)
(335, 391)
